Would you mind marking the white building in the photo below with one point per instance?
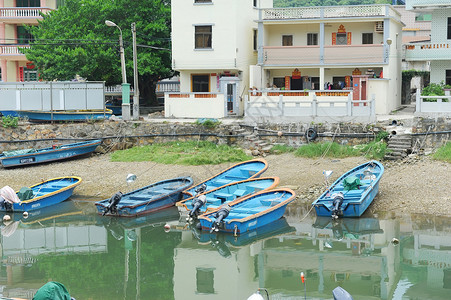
(227, 47)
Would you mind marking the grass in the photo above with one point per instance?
(182, 153)
(443, 153)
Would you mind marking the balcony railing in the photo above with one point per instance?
(428, 51)
(12, 51)
(329, 12)
(22, 12)
(333, 55)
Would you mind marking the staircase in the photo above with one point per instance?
(399, 146)
(256, 145)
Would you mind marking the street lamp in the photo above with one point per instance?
(125, 85)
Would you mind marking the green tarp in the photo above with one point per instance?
(52, 291)
(25, 193)
(351, 183)
(19, 152)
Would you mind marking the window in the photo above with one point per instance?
(202, 37)
(205, 281)
(23, 36)
(202, 1)
(255, 40)
(312, 39)
(255, 3)
(201, 83)
(28, 3)
(448, 77)
(279, 82)
(30, 74)
(341, 39)
(367, 38)
(423, 17)
(449, 29)
(287, 40)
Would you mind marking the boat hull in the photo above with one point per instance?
(50, 154)
(238, 172)
(82, 115)
(250, 213)
(148, 199)
(48, 193)
(355, 202)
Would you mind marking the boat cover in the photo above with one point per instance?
(351, 183)
(19, 152)
(52, 291)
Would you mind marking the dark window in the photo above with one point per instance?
(279, 82)
(201, 83)
(202, 1)
(255, 40)
(342, 39)
(449, 29)
(423, 17)
(205, 281)
(28, 3)
(23, 36)
(367, 38)
(448, 77)
(287, 40)
(312, 39)
(202, 37)
(255, 3)
(30, 74)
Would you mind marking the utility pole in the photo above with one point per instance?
(135, 75)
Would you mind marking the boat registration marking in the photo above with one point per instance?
(27, 160)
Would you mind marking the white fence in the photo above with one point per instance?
(317, 106)
(47, 96)
(194, 105)
(439, 104)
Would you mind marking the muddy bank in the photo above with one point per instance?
(416, 185)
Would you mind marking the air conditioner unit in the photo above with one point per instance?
(379, 27)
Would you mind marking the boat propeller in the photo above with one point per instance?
(220, 215)
(113, 202)
(337, 202)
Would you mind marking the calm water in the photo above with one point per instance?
(102, 258)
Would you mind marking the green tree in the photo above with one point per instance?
(74, 40)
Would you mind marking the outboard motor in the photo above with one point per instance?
(341, 294)
(220, 215)
(114, 201)
(201, 189)
(337, 202)
(6, 205)
(198, 202)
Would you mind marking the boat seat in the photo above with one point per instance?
(220, 182)
(46, 190)
(244, 210)
(269, 202)
(239, 192)
(224, 196)
(248, 172)
(235, 177)
(253, 188)
(213, 201)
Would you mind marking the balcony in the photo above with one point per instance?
(22, 15)
(12, 52)
(428, 52)
(427, 4)
(332, 12)
(333, 55)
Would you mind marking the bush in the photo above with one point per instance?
(435, 89)
(10, 121)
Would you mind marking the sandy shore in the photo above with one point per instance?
(417, 185)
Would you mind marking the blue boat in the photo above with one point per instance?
(238, 172)
(214, 198)
(352, 193)
(41, 195)
(32, 156)
(147, 199)
(65, 115)
(248, 213)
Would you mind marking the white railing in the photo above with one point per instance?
(335, 105)
(436, 104)
(326, 12)
(12, 50)
(116, 89)
(22, 12)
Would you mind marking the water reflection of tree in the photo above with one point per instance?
(101, 275)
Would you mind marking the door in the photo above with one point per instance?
(231, 98)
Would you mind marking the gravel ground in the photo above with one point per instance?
(415, 185)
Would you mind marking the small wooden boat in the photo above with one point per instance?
(41, 195)
(65, 115)
(216, 197)
(56, 152)
(147, 199)
(248, 213)
(352, 193)
(238, 172)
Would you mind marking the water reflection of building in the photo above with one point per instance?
(361, 259)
